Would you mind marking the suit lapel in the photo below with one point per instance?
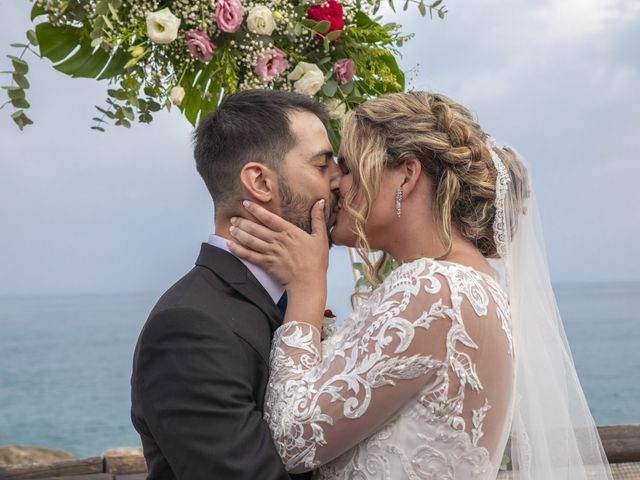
(238, 276)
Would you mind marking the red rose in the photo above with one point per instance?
(329, 314)
(332, 13)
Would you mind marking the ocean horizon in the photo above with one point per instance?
(66, 361)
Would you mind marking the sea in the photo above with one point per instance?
(65, 362)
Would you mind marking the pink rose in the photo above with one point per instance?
(229, 15)
(345, 69)
(200, 46)
(270, 64)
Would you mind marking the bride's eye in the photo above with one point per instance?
(343, 166)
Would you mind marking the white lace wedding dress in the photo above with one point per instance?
(416, 384)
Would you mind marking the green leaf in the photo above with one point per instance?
(145, 117)
(21, 80)
(322, 27)
(329, 88)
(20, 103)
(116, 65)
(15, 94)
(331, 36)
(108, 22)
(18, 45)
(128, 113)
(117, 94)
(95, 127)
(32, 37)
(56, 43)
(347, 88)
(106, 113)
(84, 62)
(113, 11)
(153, 106)
(406, 6)
(19, 65)
(123, 122)
(422, 8)
(392, 6)
(37, 10)
(96, 119)
(21, 119)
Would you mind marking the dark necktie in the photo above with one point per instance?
(282, 303)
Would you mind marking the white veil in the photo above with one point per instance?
(553, 435)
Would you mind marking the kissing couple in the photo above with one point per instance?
(454, 359)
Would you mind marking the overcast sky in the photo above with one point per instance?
(126, 211)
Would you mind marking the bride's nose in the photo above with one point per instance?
(335, 175)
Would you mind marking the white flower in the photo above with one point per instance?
(329, 327)
(177, 95)
(308, 78)
(260, 20)
(162, 26)
(337, 109)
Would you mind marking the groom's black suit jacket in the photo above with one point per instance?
(200, 372)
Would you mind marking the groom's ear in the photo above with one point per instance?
(258, 181)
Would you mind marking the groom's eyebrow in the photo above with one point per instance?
(326, 153)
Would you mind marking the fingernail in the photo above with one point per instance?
(233, 220)
(322, 202)
(245, 203)
(233, 230)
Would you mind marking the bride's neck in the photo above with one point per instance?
(414, 240)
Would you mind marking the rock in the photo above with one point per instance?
(26, 455)
(122, 452)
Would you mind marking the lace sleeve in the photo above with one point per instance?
(325, 397)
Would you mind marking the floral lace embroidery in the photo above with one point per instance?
(371, 349)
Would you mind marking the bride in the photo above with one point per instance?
(458, 355)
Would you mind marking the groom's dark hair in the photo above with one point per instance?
(248, 126)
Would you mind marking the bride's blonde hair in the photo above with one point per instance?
(452, 148)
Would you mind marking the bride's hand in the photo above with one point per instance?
(296, 259)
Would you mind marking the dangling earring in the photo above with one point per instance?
(399, 202)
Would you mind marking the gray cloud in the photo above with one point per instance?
(125, 211)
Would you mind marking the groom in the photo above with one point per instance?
(201, 364)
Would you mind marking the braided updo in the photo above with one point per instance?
(452, 148)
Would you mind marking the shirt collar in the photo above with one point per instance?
(273, 288)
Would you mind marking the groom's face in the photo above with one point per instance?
(308, 173)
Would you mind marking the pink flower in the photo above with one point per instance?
(270, 64)
(200, 46)
(345, 69)
(229, 15)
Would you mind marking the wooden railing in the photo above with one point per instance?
(621, 444)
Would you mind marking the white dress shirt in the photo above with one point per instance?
(273, 288)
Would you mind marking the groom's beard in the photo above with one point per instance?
(296, 208)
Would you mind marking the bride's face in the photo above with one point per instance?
(382, 216)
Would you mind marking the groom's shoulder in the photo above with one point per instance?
(199, 290)
(201, 299)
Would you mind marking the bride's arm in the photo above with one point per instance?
(325, 398)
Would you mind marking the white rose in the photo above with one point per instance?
(177, 95)
(308, 78)
(260, 20)
(162, 26)
(337, 109)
